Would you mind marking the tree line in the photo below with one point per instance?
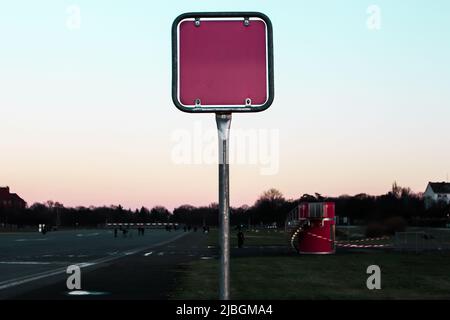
(270, 208)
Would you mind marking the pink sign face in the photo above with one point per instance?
(222, 63)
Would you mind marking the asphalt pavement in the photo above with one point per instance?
(33, 266)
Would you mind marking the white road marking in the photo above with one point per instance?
(86, 264)
(86, 293)
(79, 293)
(24, 262)
(22, 240)
(161, 253)
(148, 254)
(88, 234)
(19, 281)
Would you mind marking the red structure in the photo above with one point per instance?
(312, 227)
(10, 200)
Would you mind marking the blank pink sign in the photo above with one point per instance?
(222, 62)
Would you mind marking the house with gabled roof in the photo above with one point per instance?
(437, 192)
(10, 200)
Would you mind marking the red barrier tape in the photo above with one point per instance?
(342, 244)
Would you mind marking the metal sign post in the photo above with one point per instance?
(223, 129)
(222, 62)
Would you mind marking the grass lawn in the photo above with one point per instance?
(339, 276)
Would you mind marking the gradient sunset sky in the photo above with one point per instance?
(86, 116)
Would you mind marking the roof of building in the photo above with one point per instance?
(4, 190)
(15, 197)
(6, 195)
(440, 187)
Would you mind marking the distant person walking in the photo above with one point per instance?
(240, 236)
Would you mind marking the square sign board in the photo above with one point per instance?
(222, 62)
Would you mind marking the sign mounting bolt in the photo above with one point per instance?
(198, 103)
(246, 21)
(197, 22)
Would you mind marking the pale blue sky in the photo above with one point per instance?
(87, 118)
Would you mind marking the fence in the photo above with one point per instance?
(418, 241)
(154, 225)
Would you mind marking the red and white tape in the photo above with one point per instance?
(365, 240)
(343, 244)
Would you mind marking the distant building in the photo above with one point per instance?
(10, 200)
(437, 192)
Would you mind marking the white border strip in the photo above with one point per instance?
(192, 106)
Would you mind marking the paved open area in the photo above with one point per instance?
(31, 264)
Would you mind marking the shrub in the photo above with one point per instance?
(375, 229)
(395, 224)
